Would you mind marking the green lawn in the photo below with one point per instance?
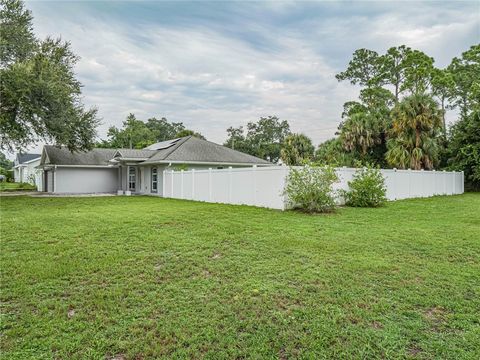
(6, 186)
(144, 277)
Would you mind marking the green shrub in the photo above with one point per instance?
(367, 189)
(310, 189)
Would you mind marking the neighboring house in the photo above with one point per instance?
(139, 171)
(24, 169)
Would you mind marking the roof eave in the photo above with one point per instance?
(206, 163)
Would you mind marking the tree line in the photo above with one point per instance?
(137, 134)
(399, 118)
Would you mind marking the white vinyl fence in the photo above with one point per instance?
(263, 186)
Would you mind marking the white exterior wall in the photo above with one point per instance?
(84, 180)
(27, 173)
(17, 174)
(264, 186)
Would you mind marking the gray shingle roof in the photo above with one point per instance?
(186, 150)
(135, 153)
(63, 156)
(192, 149)
(21, 158)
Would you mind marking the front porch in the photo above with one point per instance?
(140, 180)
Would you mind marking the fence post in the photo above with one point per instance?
(171, 181)
(163, 182)
(254, 172)
(409, 183)
(444, 182)
(193, 184)
(230, 184)
(181, 184)
(210, 184)
(434, 182)
(454, 182)
(394, 181)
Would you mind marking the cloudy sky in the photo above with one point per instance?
(212, 65)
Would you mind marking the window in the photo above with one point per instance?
(154, 179)
(132, 178)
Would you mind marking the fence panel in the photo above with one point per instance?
(263, 186)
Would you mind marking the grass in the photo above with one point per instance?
(144, 277)
(7, 186)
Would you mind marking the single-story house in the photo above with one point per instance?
(25, 169)
(139, 171)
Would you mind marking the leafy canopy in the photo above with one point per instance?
(416, 126)
(263, 139)
(137, 134)
(399, 117)
(41, 97)
(297, 149)
(464, 149)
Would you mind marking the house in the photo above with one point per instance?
(24, 169)
(138, 171)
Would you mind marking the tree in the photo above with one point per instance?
(236, 140)
(134, 134)
(466, 76)
(297, 149)
(332, 152)
(6, 167)
(361, 133)
(41, 98)
(377, 99)
(364, 69)
(267, 136)
(414, 138)
(464, 149)
(187, 132)
(352, 107)
(4, 162)
(418, 72)
(442, 87)
(406, 70)
(137, 134)
(17, 41)
(393, 65)
(263, 139)
(162, 130)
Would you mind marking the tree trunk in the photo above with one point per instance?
(443, 117)
(418, 163)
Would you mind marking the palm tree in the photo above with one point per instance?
(297, 149)
(361, 131)
(417, 123)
